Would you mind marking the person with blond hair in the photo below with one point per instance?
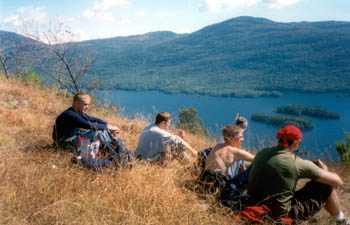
(156, 141)
(225, 154)
(239, 165)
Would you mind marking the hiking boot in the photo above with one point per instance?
(344, 221)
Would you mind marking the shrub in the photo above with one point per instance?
(343, 148)
(189, 121)
(31, 77)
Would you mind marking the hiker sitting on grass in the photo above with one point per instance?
(74, 123)
(238, 166)
(274, 176)
(224, 155)
(156, 143)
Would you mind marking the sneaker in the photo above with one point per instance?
(344, 221)
(75, 159)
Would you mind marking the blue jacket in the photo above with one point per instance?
(67, 123)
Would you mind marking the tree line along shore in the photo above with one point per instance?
(296, 111)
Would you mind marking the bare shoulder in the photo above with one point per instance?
(235, 149)
(219, 148)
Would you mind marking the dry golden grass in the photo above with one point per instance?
(40, 186)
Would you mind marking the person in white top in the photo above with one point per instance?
(156, 140)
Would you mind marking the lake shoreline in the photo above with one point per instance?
(281, 91)
(215, 112)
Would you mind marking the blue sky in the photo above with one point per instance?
(109, 18)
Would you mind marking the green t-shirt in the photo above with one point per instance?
(274, 176)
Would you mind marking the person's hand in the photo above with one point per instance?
(113, 129)
(181, 133)
(320, 164)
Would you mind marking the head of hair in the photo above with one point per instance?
(162, 116)
(79, 96)
(241, 121)
(231, 130)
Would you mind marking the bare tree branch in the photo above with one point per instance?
(10, 59)
(58, 56)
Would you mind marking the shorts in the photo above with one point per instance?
(309, 200)
(213, 181)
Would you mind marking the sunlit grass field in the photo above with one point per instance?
(39, 185)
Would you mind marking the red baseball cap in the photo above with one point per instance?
(290, 133)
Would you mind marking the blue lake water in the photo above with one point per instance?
(216, 112)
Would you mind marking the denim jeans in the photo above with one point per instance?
(114, 147)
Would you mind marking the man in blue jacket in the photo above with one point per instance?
(74, 123)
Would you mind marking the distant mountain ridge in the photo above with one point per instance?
(243, 56)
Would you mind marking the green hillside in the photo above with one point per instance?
(243, 56)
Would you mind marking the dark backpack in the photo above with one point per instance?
(232, 195)
(229, 191)
(212, 182)
(202, 156)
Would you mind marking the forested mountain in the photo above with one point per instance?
(243, 56)
(13, 38)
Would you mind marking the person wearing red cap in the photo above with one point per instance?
(274, 176)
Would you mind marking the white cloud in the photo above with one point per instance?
(25, 15)
(100, 10)
(140, 13)
(107, 4)
(125, 21)
(64, 19)
(161, 15)
(88, 35)
(217, 5)
(98, 15)
(279, 3)
(82, 35)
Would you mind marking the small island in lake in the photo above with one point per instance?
(276, 120)
(314, 111)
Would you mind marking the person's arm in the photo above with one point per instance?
(189, 149)
(330, 178)
(243, 155)
(173, 139)
(81, 122)
(113, 129)
(94, 119)
(327, 177)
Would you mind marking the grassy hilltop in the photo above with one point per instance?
(40, 186)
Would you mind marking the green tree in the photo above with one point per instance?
(343, 148)
(189, 121)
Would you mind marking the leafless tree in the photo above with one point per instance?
(11, 49)
(4, 59)
(8, 56)
(59, 56)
